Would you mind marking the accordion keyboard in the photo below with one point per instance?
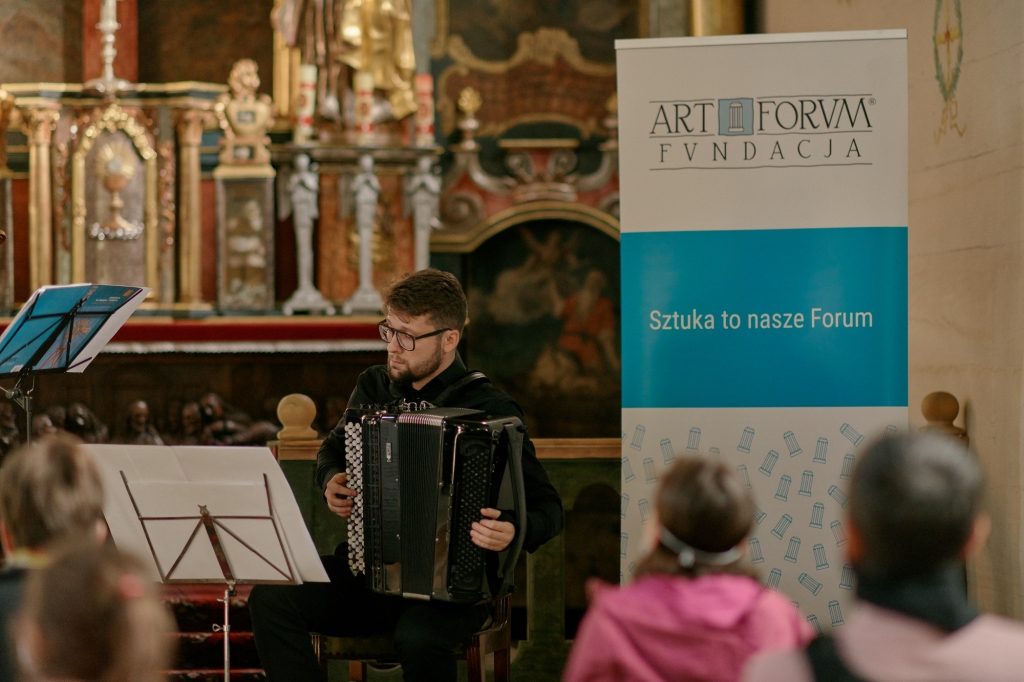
(354, 468)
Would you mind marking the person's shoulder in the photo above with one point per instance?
(636, 596)
(989, 626)
(772, 598)
(373, 388)
(374, 377)
(790, 665)
(597, 589)
(486, 387)
(374, 372)
(989, 648)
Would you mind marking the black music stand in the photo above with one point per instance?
(61, 329)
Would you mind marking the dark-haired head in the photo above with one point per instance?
(914, 505)
(435, 293)
(707, 513)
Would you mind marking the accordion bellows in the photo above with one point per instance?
(422, 478)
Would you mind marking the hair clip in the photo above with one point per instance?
(689, 556)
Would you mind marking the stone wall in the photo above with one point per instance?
(965, 150)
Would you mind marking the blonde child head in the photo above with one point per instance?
(91, 615)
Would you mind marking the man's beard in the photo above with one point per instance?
(407, 374)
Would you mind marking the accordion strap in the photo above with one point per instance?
(514, 433)
(467, 380)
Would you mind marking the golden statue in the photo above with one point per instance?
(377, 39)
(245, 115)
(372, 36)
(7, 113)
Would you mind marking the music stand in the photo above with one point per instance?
(60, 329)
(221, 515)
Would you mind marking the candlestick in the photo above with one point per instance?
(108, 11)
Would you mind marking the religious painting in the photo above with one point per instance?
(522, 58)
(544, 325)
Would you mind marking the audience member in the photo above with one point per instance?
(224, 425)
(83, 423)
(58, 415)
(90, 615)
(50, 491)
(42, 425)
(139, 429)
(191, 431)
(171, 422)
(10, 434)
(914, 515)
(694, 610)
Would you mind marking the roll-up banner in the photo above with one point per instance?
(764, 280)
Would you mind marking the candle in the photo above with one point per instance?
(363, 83)
(306, 105)
(108, 12)
(424, 110)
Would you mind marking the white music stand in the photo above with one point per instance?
(207, 515)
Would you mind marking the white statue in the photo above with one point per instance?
(304, 191)
(366, 188)
(424, 188)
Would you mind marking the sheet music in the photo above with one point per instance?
(164, 481)
(62, 328)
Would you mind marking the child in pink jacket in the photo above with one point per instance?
(694, 610)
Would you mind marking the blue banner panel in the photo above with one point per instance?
(765, 318)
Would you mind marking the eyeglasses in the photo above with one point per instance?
(406, 340)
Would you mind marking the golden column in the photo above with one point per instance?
(38, 121)
(6, 119)
(189, 124)
(716, 17)
(286, 66)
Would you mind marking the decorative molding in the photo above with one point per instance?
(544, 46)
(467, 240)
(440, 43)
(548, 54)
(948, 52)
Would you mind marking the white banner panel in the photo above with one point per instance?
(764, 278)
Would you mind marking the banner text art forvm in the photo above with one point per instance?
(763, 131)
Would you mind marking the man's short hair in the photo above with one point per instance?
(431, 292)
(914, 499)
(50, 491)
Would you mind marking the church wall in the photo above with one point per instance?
(42, 41)
(965, 238)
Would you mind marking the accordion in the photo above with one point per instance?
(422, 478)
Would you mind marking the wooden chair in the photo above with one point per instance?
(495, 638)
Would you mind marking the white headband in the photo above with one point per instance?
(688, 555)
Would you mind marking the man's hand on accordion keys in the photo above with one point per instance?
(490, 533)
(339, 495)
